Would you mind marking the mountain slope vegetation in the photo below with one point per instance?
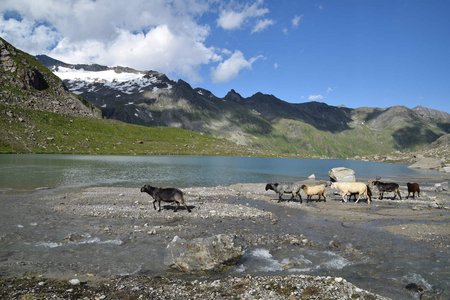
(261, 121)
(58, 108)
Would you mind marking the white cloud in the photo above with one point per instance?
(296, 21)
(315, 97)
(329, 90)
(159, 34)
(234, 18)
(231, 67)
(275, 66)
(262, 24)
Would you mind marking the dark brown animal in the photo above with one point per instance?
(413, 187)
(166, 195)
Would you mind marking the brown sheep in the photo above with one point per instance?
(413, 187)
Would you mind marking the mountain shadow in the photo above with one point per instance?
(412, 136)
(317, 114)
(325, 117)
(444, 126)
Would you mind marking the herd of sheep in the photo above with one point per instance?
(346, 189)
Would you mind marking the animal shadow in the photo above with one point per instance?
(172, 207)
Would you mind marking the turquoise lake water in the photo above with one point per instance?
(31, 171)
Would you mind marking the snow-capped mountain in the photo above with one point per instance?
(121, 93)
(152, 99)
(123, 81)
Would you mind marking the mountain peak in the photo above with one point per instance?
(233, 96)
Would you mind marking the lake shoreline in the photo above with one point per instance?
(111, 219)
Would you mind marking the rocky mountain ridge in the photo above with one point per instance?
(25, 82)
(263, 121)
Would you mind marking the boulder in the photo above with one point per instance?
(427, 163)
(440, 187)
(342, 174)
(446, 169)
(203, 254)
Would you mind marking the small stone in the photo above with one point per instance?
(294, 241)
(338, 279)
(74, 281)
(41, 283)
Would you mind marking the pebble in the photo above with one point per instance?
(74, 281)
(338, 279)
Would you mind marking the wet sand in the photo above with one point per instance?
(114, 235)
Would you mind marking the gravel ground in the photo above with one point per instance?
(245, 210)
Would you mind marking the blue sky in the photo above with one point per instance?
(351, 52)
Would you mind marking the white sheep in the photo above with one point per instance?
(314, 190)
(348, 188)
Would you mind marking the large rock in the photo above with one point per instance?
(342, 174)
(427, 163)
(203, 254)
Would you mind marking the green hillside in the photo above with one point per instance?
(33, 131)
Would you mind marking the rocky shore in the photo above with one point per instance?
(109, 243)
(139, 287)
(434, 157)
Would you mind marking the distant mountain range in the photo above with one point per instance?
(34, 102)
(262, 121)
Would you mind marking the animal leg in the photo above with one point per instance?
(154, 206)
(359, 196)
(279, 197)
(399, 195)
(176, 207)
(344, 199)
(159, 205)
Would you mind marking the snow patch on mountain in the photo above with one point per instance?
(80, 80)
(95, 76)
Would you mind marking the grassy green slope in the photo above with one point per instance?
(296, 137)
(31, 131)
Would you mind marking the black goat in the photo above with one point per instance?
(387, 187)
(166, 195)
